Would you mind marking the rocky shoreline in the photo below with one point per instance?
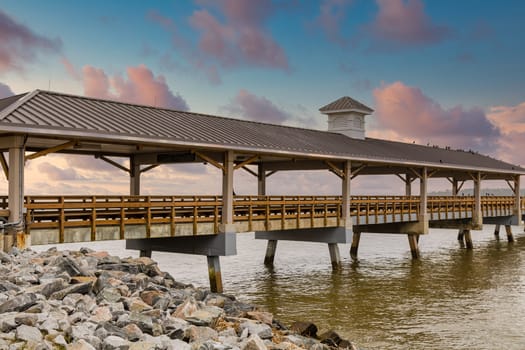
(84, 300)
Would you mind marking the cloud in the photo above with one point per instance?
(139, 86)
(57, 174)
(231, 34)
(331, 14)
(511, 121)
(70, 69)
(406, 113)
(251, 107)
(401, 23)
(20, 45)
(5, 91)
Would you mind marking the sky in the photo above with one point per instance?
(447, 73)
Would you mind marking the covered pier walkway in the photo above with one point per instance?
(39, 123)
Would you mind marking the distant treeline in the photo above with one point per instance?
(484, 192)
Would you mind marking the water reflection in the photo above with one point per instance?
(452, 298)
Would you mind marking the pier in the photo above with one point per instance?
(39, 123)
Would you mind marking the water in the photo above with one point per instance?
(450, 299)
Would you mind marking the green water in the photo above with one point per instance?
(451, 298)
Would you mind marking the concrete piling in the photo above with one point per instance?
(214, 272)
(335, 256)
(510, 237)
(270, 252)
(414, 247)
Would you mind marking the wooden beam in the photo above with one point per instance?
(336, 174)
(5, 167)
(335, 169)
(357, 170)
(460, 185)
(246, 162)
(401, 177)
(418, 175)
(270, 173)
(209, 160)
(148, 168)
(511, 186)
(112, 162)
(432, 173)
(249, 171)
(51, 150)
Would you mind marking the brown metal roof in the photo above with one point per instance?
(343, 104)
(50, 114)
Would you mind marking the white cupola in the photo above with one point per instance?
(347, 116)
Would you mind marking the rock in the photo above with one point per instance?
(150, 296)
(69, 266)
(26, 319)
(28, 333)
(200, 334)
(82, 288)
(101, 314)
(132, 332)
(80, 345)
(115, 343)
(264, 317)
(301, 341)
(186, 309)
(142, 345)
(83, 330)
(263, 331)
(306, 329)
(330, 338)
(49, 288)
(109, 295)
(206, 316)
(19, 303)
(83, 279)
(254, 343)
(144, 322)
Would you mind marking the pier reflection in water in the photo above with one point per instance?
(451, 298)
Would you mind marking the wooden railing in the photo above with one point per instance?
(61, 212)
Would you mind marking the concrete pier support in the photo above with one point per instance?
(356, 237)
(414, 246)
(15, 234)
(496, 231)
(270, 252)
(214, 273)
(461, 237)
(468, 239)
(510, 237)
(335, 256)
(145, 253)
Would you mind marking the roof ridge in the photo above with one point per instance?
(15, 105)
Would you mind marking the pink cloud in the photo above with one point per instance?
(241, 37)
(96, 82)
(331, 15)
(20, 45)
(70, 68)
(255, 108)
(231, 34)
(511, 121)
(403, 23)
(139, 86)
(5, 91)
(57, 174)
(406, 113)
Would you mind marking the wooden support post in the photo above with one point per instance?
(145, 253)
(270, 252)
(134, 177)
(510, 237)
(16, 196)
(455, 187)
(346, 219)
(408, 185)
(261, 180)
(468, 239)
(356, 237)
(227, 194)
(517, 201)
(414, 247)
(335, 257)
(477, 216)
(496, 231)
(214, 272)
(423, 201)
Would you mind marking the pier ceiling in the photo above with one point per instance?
(51, 122)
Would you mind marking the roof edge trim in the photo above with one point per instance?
(11, 108)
